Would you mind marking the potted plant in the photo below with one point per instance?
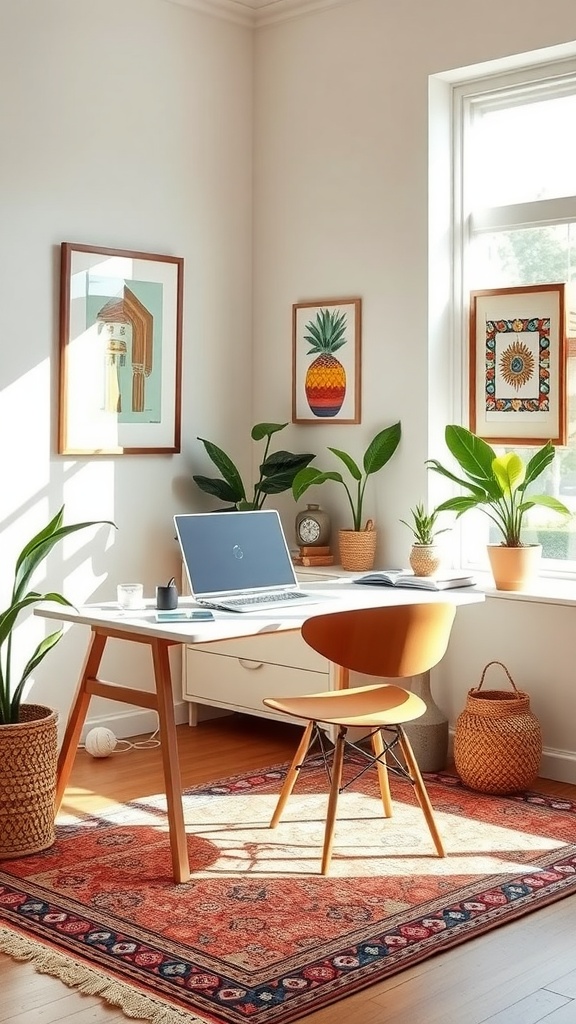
(497, 484)
(277, 471)
(357, 545)
(424, 557)
(28, 734)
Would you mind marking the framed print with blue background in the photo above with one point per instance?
(517, 364)
(120, 351)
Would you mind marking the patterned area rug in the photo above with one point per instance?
(257, 933)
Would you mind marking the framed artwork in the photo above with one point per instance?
(326, 362)
(517, 364)
(120, 351)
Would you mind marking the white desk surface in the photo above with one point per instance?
(332, 597)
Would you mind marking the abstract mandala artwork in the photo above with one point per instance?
(517, 364)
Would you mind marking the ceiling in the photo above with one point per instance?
(258, 12)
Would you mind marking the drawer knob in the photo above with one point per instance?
(251, 665)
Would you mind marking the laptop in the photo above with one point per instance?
(238, 561)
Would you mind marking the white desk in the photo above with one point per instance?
(107, 622)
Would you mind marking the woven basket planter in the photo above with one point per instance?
(28, 762)
(425, 559)
(357, 549)
(498, 741)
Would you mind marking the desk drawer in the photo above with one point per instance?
(287, 649)
(244, 683)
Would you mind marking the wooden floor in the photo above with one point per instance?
(522, 973)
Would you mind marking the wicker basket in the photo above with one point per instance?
(357, 549)
(28, 762)
(497, 742)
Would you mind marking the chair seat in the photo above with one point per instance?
(381, 704)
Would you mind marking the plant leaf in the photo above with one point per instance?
(509, 471)
(219, 488)
(226, 467)
(539, 462)
(472, 454)
(40, 653)
(311, 477)
(348, 461)
(382, 448)
(261, 430)
(460, 505)
(547, 501)
(283, 461)
(36, 550)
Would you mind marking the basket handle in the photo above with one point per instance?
(486, 667)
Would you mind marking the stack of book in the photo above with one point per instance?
(310, 555)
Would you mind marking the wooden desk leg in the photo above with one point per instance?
(169, 748)
(77, 715)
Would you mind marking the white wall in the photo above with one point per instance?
(342, 208)
(124, 123)
(129, 123)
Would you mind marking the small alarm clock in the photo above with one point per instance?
(313, 527)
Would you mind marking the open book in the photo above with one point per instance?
(399, 578)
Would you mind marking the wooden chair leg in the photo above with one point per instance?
(420, 790)
(337, 764)
(293, 772)
(378, 748)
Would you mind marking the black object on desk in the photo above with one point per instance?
(167, 596)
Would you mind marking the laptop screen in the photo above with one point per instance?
(226, 552)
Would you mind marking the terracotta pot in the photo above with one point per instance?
(357, 549)
(514, 568)
(424, 559)
(28, 763)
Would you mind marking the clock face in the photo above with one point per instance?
(308, 530)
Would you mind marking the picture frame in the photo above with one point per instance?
(326, 387)
(120, 351)
(517, 365)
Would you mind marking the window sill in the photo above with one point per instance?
(544, 590)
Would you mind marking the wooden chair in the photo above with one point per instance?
(393, 642)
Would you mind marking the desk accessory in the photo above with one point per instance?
(130, 595)
(313, 534)
(181, 615)
(167, 596)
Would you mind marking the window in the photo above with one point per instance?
(515, 224)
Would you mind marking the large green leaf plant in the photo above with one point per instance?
(496, 484)
(28, 561)
(276, 471)
(378, 453)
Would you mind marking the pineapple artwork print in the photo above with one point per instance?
(325, 382)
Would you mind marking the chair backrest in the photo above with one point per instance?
(395, 642)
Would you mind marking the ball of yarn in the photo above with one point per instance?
(100, 742)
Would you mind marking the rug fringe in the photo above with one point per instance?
(91, 982)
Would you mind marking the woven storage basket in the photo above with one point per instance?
(497, 742)
(357, 549)
(28, 762)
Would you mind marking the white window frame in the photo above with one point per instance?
(493, 91)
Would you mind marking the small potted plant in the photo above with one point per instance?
(28, 733)
(277, 471)
(425, 557)
(357, 545)
(497, 484)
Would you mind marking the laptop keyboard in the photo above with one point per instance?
(258, 600)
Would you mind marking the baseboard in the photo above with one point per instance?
(559, 765)
(133, 723)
